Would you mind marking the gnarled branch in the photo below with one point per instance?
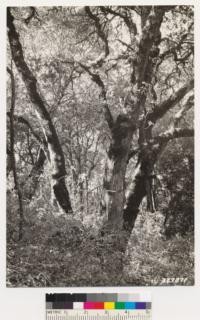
(97, 79)
(160, 110)
(174, 133)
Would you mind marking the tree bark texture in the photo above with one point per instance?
(114, 177)
(56, 155)
(138, 189)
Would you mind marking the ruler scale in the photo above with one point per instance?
(98, 307)
(97, 315)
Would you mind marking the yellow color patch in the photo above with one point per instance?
(109, 305)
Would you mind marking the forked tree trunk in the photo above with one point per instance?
(56, 155)
(125, 125)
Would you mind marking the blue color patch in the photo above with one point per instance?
(130, 305)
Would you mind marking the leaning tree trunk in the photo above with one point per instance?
(56, 155)
(140, 186)
(135, 194)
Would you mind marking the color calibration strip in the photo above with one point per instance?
(97, 306)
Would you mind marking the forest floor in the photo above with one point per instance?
(52, 253)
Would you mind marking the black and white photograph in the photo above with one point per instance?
(100, 146)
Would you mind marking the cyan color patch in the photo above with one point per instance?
(130, 305)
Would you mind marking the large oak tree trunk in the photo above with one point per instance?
(56, 155)
(126, 124)
(115, 169)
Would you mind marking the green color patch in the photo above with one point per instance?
(119, 305)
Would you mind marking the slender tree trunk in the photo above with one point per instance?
(56, 155)
(8, 162)
(151, 202)
(87, 194)
(12, 155)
